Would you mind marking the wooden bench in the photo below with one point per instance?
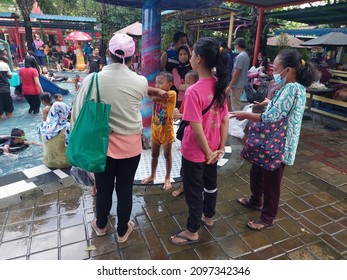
(312, 95)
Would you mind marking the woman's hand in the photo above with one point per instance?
(261, 104)
(239, 115)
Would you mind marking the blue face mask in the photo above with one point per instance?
(278, 80)
(235, 51)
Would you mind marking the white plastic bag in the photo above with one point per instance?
(236, 127)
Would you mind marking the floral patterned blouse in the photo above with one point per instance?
(289, 102)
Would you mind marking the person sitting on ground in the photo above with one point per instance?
(17, 139)
(46, 100)
(162, 128)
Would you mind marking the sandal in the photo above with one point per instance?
(186, 240)
(258, 224)
(246, 202)
(130, 229)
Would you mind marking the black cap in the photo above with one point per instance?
(240, 42)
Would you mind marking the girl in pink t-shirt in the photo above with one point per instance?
(204, 138)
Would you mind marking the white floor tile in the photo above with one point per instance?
(36, 171)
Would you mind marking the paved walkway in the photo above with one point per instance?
(311, 223)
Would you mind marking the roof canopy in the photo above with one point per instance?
(330, 39)
(310, 32)
(271, 4)
(167, 4)
(8, 15)
(327, 14)
(62, 18)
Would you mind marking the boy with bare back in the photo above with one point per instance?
(162, 128)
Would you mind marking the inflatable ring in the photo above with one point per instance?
(16, 149)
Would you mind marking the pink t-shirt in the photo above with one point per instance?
(27, 76)
(124, 146)
(196, 99)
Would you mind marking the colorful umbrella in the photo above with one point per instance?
(78, 36)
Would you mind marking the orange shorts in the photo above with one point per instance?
(162, 138)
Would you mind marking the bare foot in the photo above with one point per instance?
(148, 180)
(178, 192)
(167, 184)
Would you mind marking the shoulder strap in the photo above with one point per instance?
(208, 107)
(95, 76)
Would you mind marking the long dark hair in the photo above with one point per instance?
(213, 56)
(30, 62)
(306, 71)
(184, 68)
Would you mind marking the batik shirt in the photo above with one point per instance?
(289, 102)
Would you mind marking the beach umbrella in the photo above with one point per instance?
(78, 36)
(134, 29)
(289, 40)
(332, 39)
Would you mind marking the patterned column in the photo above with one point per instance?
(150, 54)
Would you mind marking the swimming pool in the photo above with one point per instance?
(31, 156)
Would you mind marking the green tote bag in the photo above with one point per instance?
(88, 140)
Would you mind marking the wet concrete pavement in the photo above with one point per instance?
(311, 223)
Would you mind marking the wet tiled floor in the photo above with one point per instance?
(311, 223)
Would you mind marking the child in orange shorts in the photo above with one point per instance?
(162, 128)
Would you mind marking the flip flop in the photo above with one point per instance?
(187, 240)
(260, 223)
(247, 203)
(130, 229)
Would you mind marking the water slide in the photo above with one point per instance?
(51, 87)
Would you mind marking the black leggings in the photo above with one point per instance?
(124, 171)
(34, 102)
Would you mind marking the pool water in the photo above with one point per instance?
(31, 156)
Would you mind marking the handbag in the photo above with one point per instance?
(258, 95)
(265, 143)
(88, 140)
(183, 124)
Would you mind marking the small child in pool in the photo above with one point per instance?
(58, 97)
(16, 140)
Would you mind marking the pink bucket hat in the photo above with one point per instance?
(122, 42)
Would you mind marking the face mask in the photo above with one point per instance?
(235, 51)
(260, 59)
(278, 80)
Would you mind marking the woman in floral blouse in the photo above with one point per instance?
(292, 74)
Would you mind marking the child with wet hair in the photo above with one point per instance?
(76, 82)
(16, 140)
(58, 97)
(46, 100)
(162, 127)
